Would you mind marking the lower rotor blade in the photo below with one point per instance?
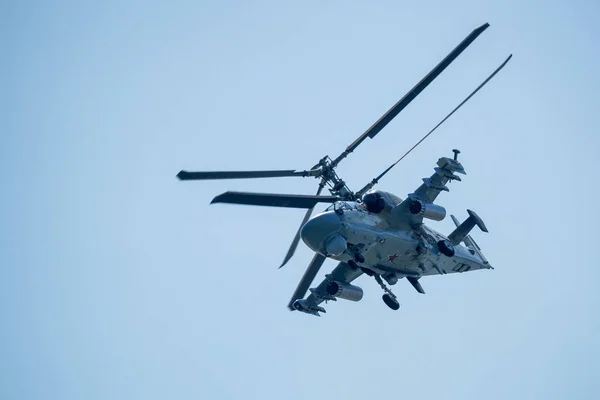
(296, 240)
(376, 180)
(273, 199)
(209, 175)
(307, 278)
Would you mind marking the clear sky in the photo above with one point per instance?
(119, 282)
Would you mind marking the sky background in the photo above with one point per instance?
(117, 281)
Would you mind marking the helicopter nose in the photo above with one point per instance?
(320, 228)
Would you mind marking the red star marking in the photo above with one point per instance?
(392, 257)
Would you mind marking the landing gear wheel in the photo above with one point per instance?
(390, 302)
(446, 248)
(358, 257)
(352, 264)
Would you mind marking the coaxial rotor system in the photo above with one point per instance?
(324, 169)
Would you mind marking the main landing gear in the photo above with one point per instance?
(388, 297)
(391, 302)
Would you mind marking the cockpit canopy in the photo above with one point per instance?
(374, 201)
(345, 206)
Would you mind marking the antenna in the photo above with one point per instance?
(456, 153)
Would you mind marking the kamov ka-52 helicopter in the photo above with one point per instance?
(372, 232)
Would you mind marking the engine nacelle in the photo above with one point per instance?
(344, 291)
(427, 210)
(378, 201)
(374, 202)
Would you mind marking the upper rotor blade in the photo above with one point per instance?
(374, 181)
(273, 199)
(296, 240)
(414, 92)
(307, 278)
(188, 176)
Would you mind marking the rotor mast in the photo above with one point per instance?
(337, 185)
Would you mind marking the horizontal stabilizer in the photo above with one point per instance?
(416, 284)
(468, 239)
(472, 244)
(463, 229)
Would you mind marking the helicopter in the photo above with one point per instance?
(372, 232)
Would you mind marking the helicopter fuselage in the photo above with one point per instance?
(390, 250)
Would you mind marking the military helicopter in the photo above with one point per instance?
(372, 232)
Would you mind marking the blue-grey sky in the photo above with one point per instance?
(119, 282)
